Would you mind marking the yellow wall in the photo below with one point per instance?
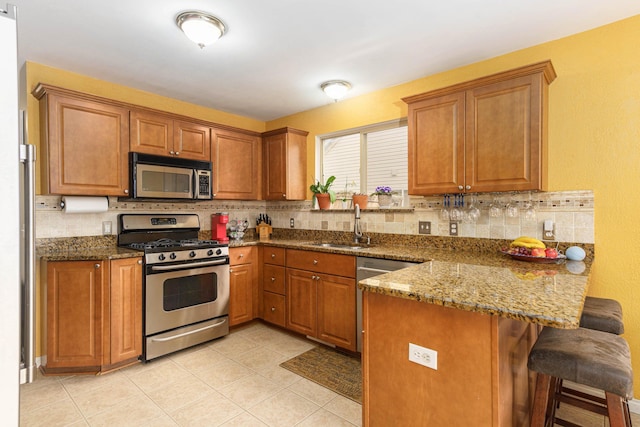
(594, 133)
(594, 141)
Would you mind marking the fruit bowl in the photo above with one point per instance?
(537, 259)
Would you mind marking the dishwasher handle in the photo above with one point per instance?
(374, 270)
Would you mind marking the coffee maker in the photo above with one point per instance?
(219, 223)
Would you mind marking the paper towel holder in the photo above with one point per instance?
(97, 204)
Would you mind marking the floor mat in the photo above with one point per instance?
(336, 371)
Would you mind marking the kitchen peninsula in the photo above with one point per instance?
(481, 317)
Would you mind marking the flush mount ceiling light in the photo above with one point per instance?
(335, 89)
(202, 28)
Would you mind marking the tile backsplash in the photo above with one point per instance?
(570, 211)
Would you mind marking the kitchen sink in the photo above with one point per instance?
(340, 245)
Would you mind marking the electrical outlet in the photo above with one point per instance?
(453, 228)
(106, 228)
(548, 230)
(423, 356)
(424, 227)
(291, 223)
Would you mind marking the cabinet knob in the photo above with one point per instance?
(273, 279)
(140, 261)
(97, 266)
(214, 194)
(231, 270)
(241, 256)
(177, 153)
(315, 261)
(313, 277)
(126, 191)
(273, 309)
(273, 255)
(460, 187)
(172, 153)
(284, 196)
(468, 187)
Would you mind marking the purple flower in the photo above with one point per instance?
(383, 190)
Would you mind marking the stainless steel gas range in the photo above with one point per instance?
(186, 282)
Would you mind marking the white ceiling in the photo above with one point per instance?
(276, 53)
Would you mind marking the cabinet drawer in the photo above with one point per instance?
(271, 255)
(240, 255)
(273, 308)
(321, 262)
(273, 279)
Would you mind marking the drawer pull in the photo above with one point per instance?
(273, 255)
(241, 255)
(273, 279)
(273, 309)
(97, 266)
(315, 261)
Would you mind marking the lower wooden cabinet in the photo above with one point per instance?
(273, 285)
(94, 315)
(321, 305)
(243, 277)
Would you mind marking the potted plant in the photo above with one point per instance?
(384, 196)
(323, 193)
(360, 200)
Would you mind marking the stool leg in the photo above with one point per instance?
(541, 401)
(615, 407)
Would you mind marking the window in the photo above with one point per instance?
(365, 158)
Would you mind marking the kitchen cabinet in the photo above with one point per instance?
(321, 296)
(485, 135)
(273, 285)
(285, 164)
(84, 144)
(165, 135)
(94, 315)
(243, 280)
(237, 164)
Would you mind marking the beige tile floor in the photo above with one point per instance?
(233, 381)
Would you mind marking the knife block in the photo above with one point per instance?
(264, 231)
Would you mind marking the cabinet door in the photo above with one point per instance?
(191, 141)
(125, 310)
(273, 279)
(236, 159)
(75, 298)
(504, 136)
(436, 145)
(275, 164)
(301, 301)
(86, 147)
(151, 133)
(337, 310)
(241, 294)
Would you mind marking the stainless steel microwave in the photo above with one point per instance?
(160, 177)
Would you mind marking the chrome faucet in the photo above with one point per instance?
(357, 232)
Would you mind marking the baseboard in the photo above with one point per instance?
(634, 404)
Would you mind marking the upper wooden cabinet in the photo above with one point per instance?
(285, 164)
(84, 144)
(485, 135)
(163, 135)
(237, 161)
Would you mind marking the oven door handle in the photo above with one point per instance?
(184, 334)
(191, 265)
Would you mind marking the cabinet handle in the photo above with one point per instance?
(177, 153)
(284, 196)
(468, 187)
(126, 191)
(231, 270)
(97, 266)
(241, 255)
(140, 261)
(315, 261)
(273, 309)
(172, 153)
(313, 277)
(273, 279)
(214, 194)
(460, 187)
(273, 255)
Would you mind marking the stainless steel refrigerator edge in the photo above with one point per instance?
(10, 231)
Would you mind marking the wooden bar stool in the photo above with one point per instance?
(602, 314)
(584, 356)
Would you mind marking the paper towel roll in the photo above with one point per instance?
(81, 204)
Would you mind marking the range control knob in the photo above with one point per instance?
(218, 251)
(192, 254)
(173, 256)
(161, 257)
(210, 252)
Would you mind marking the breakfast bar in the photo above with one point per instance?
(477, 318)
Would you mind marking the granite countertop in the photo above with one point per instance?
(479, 279)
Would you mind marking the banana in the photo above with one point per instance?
(528, 242)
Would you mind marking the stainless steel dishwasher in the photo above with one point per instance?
(365, 269)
